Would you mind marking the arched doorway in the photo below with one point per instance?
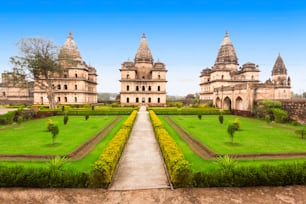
(238, 103)
(227, 103)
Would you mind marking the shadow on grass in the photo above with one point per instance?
(234, 144)
(56, 144)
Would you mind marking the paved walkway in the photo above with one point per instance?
(141, 165)
(5, 110)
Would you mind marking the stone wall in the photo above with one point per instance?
(296, 109)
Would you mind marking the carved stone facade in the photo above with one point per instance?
(77, 84)
(231, 87)
(143, 81)
(15, 89)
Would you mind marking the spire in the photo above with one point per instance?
(227, 58)
(279, 66)
(143, 53)
(70, 49)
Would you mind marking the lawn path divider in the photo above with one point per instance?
(104, 167)
(178, 167)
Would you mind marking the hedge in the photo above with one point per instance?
(264, 175)
(178, 167)
(188, 111)
(7, 118)
(104, 168)
(19, 176)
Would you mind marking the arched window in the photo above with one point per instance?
(65, 87)
(58, 99)
(158, 88)
(222, 77)
(58, 86)
(143, 88)
(66, 100)
(127, 76)
(137, 100)
(149, 99)
(158, 76)
(137, 88)
(3, 93)
(75, 87)
(76, 75)
(158, 100)
(127, 87)
(127, 99)
(41, 100)
(75, 99)
(149, 88)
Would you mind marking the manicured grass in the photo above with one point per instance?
(199, 165)
(255, 136)
(83, 165)
(31, 137)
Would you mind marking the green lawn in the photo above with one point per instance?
(198, 164)
(31, 137)
(83, 165)
(255, 136)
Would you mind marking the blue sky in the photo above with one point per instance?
(185, 35)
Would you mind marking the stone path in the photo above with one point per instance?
(141, 165)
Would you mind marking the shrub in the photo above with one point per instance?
(178, 167)
(50, 124)
(7, 118)
(221, 119)
(268, 118)
(86, 116)
(226, 163)
(231, 129)
(19, 176)
(280, 115)
(19, 119)
(200, 117)
(66, 118)
(104, 167)
(236, 123)
(54, 132)
(265, 108)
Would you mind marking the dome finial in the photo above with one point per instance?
(143, 35)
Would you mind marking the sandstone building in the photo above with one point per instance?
(77, 84)
(229, 86)
(15, 89)
(143, 81)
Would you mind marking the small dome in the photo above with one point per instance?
(249, 66)
(206, 71)
(159, 65)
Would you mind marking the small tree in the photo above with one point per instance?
(50, 124)
(200, 116)
(221, 119)
(66, 118)
(39, 62)
(268, 118)
(231, 129)
(86, 116)
(54, 132)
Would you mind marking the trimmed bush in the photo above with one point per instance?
(66, 118)
(178, 167)
(263, 175)
(280, 115)
(187, 111)
(221, 119)
(19, 176)
(104, 168)
(7, 118)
